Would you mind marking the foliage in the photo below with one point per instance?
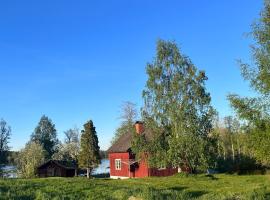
(103, 154)
(125, 127)
(128, 111)
(8, 157)
(12, 157)
(2, 173)
(128, 116)
(258, 74)
(236, 147)
(259, 142)
(255, 111)
(72, 135)
(89, 156)
(29, 159)
(69, 151)
(5, 133)
(156, 147)
(199, 187)
(177, 102)
(45, 134)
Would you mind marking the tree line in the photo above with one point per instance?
(81, 148)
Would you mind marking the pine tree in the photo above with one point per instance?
(89, 156)
(46, 135)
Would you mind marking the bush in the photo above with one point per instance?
(240, 165)
(29, 159)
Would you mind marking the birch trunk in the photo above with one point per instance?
(88, 172)
(233, 156)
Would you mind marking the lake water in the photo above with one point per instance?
(103, 168)
(9, 171)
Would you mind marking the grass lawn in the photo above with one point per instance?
(176, 187)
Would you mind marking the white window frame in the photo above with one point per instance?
(118, 164)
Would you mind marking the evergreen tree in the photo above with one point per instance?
(46, 135)
(5, 132)
(89, 156)
(177, 102)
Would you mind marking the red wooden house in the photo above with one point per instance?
(123, 163)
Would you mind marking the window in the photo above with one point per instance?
(118, 164)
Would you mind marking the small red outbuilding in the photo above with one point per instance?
(123, 163)
(57, 168)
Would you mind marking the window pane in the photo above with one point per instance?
(118, 164)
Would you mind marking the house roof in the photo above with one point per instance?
(60, 163)
(123, 144)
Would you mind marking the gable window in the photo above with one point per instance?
(118, 164)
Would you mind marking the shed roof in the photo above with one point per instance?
(60, 163)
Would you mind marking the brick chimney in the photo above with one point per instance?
(139, 127)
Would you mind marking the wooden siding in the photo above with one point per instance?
(137, 170)
(51, 169)
(124, 172)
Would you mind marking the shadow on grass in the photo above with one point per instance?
(170, 194)
(196, 194)
(211, 177)
(3, 189)
(106, 175)
(177, 188)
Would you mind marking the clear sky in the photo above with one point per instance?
(79, 60)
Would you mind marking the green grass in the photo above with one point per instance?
(200, 187)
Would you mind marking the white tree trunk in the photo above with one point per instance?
(88, 172)
(218, 149)
(239, 149)
(233, 156)
(76, 172)
(224, 152)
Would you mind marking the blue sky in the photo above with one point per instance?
(79, 60)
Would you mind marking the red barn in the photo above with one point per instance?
(123, 163)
